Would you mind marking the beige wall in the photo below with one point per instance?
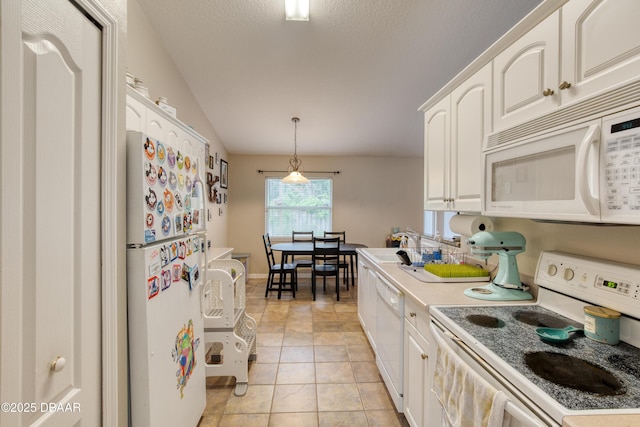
(614, 243)
(148, 60)
(370, 195)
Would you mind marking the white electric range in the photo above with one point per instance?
(546, 382)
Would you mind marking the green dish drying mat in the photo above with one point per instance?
(455, 270)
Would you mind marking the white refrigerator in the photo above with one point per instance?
(165, 261)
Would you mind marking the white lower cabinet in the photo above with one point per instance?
(416, 364)
(367, 300)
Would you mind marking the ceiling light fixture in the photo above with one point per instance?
(295, 164)
(296, 10)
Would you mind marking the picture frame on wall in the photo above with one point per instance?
(224, 174)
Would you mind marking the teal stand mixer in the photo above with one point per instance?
(506, 286)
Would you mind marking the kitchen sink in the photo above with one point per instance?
(382, 255)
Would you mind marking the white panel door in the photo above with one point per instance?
(56, 342)
(437, 140)
(600, 46)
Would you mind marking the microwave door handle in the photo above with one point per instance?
(591, 139)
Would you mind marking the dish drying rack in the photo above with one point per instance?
(229, 332)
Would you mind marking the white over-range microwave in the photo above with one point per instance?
(585, 172)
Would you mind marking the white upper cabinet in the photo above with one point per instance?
(454, 132)
(470, 123)
(526, 75)
(600, 46)
(437, 135)
(585, 49)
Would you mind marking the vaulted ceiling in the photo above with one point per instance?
(355, 73)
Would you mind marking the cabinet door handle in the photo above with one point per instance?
(424, 356)
(548, 92)
(412, 314)
(564, 85)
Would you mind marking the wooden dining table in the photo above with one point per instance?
(306, 248)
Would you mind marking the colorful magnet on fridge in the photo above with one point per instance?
(187, 183)
(150, 173)
(168, 200)
(178, 200)
(177, 221)
(180, 181)
(149, 235)
(182, 250)
(189, 247)
(176, 270)
(173, 180)
(164, 255)
(149, 149)
(166, 279)
(160, 208)
(162, 176)
(149, 220)
(151, 199)
(166, 225)
(194, 166)
(153, 286)
(187, 203)
(161, 152)
(186, 222)
(173, 251)
(171, 158)
(187, 163)
(180, 160)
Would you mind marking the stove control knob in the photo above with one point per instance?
(552, 270)
(568, 274)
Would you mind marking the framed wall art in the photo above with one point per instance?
(224, 174)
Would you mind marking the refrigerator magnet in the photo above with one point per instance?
(186, 273)
(164, 255)
(151, 174)
(177, 220)
(182, 250)
(187, 183)
(189, 247)
(166, 279)
(178, 200)
(149, 235)
(174, 251)
(180, 181)
(176, 270)
(180, 160)
(168, 200)
(149, 149)
(151, 199)
(149, 220)
(166, 225)
(161, 152)
(171, 158)
(187, 163)
(153, 286)
(173, 180)
(162, 176)
(160, 208)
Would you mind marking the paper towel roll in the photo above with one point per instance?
(468, 225)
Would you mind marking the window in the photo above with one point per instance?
(300, 207)
(438, 221)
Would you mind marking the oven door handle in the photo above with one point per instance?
(513, 410)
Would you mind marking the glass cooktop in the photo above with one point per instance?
(580, 374)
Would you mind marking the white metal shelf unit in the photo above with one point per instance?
(229, 332)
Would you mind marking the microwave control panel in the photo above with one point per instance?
(621, 163)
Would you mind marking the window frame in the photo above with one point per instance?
(269, 208)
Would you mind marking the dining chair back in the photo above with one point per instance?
(326, 256)
(343, 264)
(302, 236)
(283, 270)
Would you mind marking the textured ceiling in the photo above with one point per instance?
(355, 74)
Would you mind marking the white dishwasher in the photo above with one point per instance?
(389, 336)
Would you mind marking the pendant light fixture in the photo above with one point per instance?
(295, 165)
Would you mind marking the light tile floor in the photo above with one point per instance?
(314, 366)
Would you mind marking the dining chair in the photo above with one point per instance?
(302, 236)
(342, 264)
(282, 270)
(325, 257)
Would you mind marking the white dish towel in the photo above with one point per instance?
(467, 399)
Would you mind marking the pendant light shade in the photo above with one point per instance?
(295, 165)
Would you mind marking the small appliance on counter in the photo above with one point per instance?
(506, 286)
